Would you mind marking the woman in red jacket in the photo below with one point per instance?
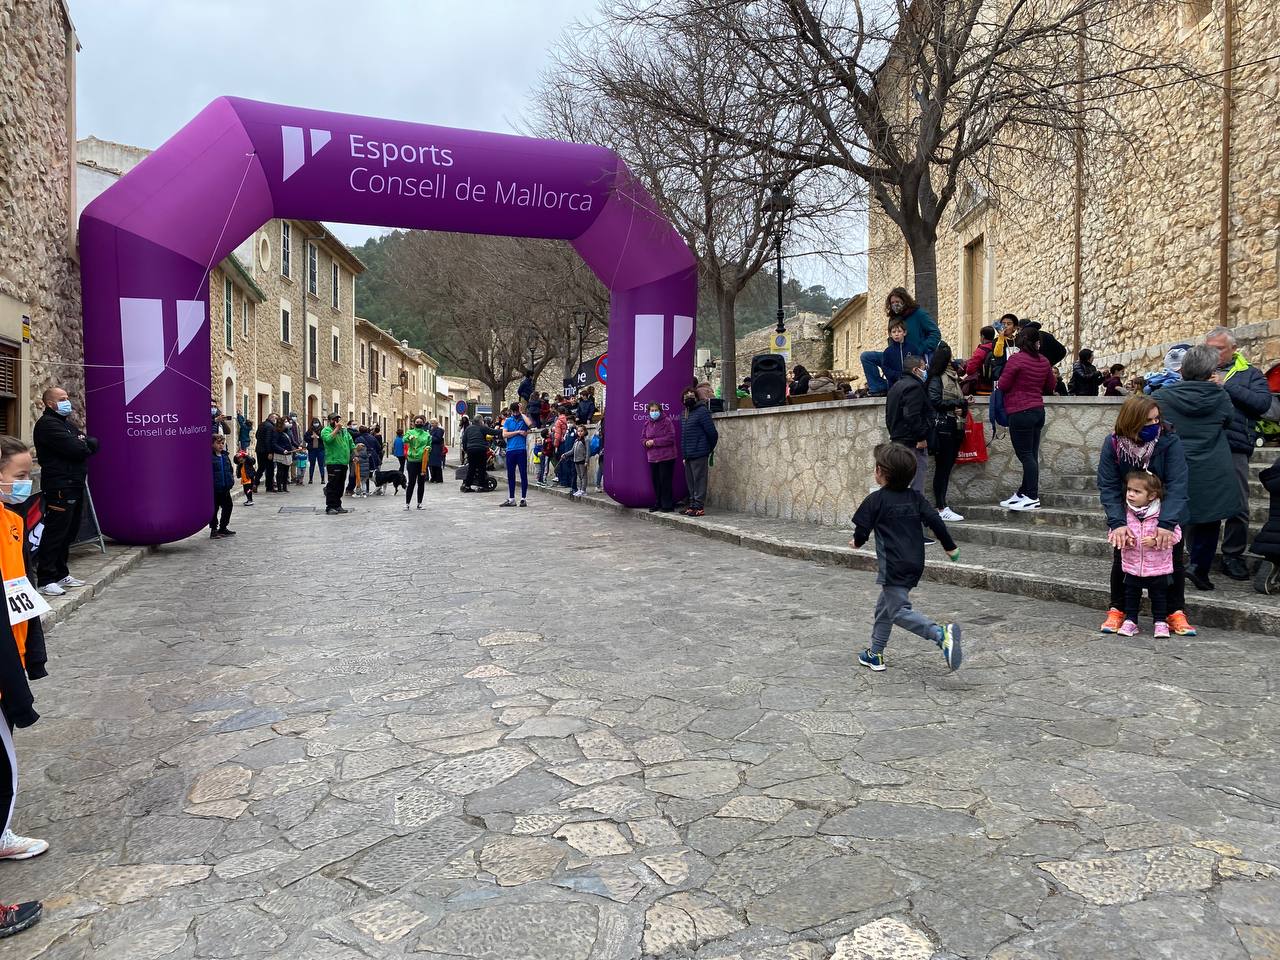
(1026, 378)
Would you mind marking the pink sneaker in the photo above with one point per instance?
(1161, 631)
(1128, 629)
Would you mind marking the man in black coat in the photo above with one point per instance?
(62, 449)
(263, 441)
(1251, 396)
(906, 414)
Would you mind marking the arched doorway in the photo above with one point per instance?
(238, 164)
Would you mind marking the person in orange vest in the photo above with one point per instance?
(22, 658)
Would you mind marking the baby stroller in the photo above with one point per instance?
(487, 485)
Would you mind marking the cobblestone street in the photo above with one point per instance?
(559, 734)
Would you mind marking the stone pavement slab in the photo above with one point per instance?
(556, 732)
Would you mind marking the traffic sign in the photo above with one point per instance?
(461, 407)
(602, 368)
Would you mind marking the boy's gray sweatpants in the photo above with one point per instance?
(894, 607)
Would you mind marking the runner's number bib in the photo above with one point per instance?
(25, 602)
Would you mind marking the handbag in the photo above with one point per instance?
(282, 458)
(973, 448)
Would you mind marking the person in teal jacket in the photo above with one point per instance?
(417, 443)
(338, 450)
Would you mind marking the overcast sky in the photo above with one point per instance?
(148, 66)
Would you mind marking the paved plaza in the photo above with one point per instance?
(560, 734)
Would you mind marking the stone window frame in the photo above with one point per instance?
(286, 251)
(362, 352)
(286, 319)
(228, 314)
(335, 351)
(312, 347)
(244, 319)
(337, 286)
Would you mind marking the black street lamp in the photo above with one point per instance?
(580, 323)
(532, 343)
(777, 205)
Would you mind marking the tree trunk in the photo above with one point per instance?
(924, 258)
(495, 397)
(726, 302)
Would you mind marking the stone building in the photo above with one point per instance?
(394, 381)
(1149, 244)
(809, 344)
(40, 333)
(847, 329)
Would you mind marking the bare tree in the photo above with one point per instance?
(915, 98)
(708, 184)
(489, 301)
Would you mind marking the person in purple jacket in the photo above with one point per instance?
(1025, 381)
(659, 438)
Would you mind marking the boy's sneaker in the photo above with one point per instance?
(16, 917)
(215, 535)
(14, 847)
(1179, 625)
(929, 541)
(70, 582)
(1161, 631)
(406, 506)
(507, 503)
(227, 533)
(1026, 503)
(1128, 629)
(523, 502)
(1010, 501)
(950, 645)
(872, 661)
(949, 515)
(699, 512)
(248, 503)
(1114, 619)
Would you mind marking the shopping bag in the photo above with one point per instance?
(973, 449)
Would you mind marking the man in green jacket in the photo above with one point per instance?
(417, 443)
(338, 450)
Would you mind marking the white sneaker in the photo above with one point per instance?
(14, 847)
(52, 590)
(1026, 503)
(949, 515)
(70, 581)
(1011, 500)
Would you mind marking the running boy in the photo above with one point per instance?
(247, 472)
(895, 513)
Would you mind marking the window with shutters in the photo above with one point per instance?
(313, 347)
(313, 265)
(227, 312)
(284, 324)
(284, 249)
(337, 275)
(10, 357)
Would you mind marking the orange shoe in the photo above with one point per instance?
(1116, 617)
(1178, 624)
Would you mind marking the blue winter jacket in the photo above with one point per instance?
(224, 477)
(698, 436)
(923, 335)
(891, 360)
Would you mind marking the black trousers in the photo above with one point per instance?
(1204, 543)
(1177, 592)
(944, 459)
(266, 470)
(416, 478)
(1025, 428)
(661, 473)
(282, 475)
(62, 510)
(475, 468)
(221, 502)
(8, 773)
(437, 472)
(1157, 589)
(337, 474)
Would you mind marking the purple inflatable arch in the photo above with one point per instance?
(147, 243)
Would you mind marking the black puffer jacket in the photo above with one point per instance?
(907, 411)
(1267, 542)
(61, 452)
(1251, 396)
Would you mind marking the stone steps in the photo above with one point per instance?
(1088, 503)
(1085, 481)
(1034, 570)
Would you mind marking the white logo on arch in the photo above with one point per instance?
(142, 338)
(295, 153)
(650, 340)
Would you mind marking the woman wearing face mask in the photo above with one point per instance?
(315, 451)
(22, 658)
(1141, 442)
(417, 442)
(659, 439)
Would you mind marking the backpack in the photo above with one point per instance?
(594, 446)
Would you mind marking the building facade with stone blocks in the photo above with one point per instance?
(394, 382)
(810, 346)
(40, 332)
(1150, 232)
(847, 330)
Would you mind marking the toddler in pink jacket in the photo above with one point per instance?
(1147, 563)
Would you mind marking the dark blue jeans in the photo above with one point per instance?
(517, 458)
(316, 459)
(871, 359)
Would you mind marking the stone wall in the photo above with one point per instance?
(1150, 214)
(39, 275)
(816, 462)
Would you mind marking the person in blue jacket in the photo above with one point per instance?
(224, 478)
(698, 438)
(921, 339)
(397, 448)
